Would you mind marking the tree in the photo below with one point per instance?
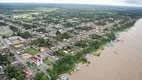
(14, 72)
(63, 65)
(4, 60)
(24, 34)
(58, 32)
(40, 42)
(20, 77)
(111, 36)
(41, 76)
(60, 37)
(41, 30)
(82, 44)
(13, 28)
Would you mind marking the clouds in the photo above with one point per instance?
(60, 1)
(134, 1)
(130, 1)
(105, 2)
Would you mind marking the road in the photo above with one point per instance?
(23, 62)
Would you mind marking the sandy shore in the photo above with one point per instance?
(126, 65)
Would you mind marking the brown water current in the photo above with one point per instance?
(126, 65)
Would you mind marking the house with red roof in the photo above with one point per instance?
(37, 60)
(28, 74)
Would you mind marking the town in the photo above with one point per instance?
(34, 42)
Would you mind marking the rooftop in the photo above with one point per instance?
(2, 43)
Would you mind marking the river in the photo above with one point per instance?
(126, 65)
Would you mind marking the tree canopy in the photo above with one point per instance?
(41, 76)
(14, 72)
(24, 34)
(40, 42)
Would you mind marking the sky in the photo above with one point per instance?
(102, 2)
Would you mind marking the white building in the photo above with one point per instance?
(2, 43)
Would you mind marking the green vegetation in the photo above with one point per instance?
(4, 60)
(41, 76)
(60, 37)
(47, 61)
(28, 26)
(31, 51)
(81, 44)
(40, 42)
(59, 53)
(33, 66)
(41, 30)
(24, 34)
(64, 65)
(95, 36)
(14, 72)
(13, 28)
(123, 27)
(111, 36)
(11, 71)
(3, 24)
(96, 54)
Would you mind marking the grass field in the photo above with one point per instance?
(31, 51)
(47, 61)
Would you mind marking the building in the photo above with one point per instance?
(43, 50)
(3, 44)
(37, 60)
(8, 42)
(28, 74)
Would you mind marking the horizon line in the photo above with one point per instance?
(70, 3)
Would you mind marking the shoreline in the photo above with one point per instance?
(96, 62)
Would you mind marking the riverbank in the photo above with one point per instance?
(126, 65)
